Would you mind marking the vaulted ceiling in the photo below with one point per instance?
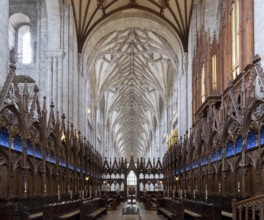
(132, 68)
(89, 13)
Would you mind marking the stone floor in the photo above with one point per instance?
(144, 214)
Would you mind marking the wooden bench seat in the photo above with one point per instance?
(97, 213)
(7, 211)
(195, 215)
(171, 209)
(169, 214)
(149, 202)
(70, 215)
(32, 208)
(112, 204)
(64, 210)
(94, 208)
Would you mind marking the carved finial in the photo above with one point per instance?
(256, 59)
(68, 127)
(52, 105)
(79, 135)
(12, 59)
(44, 104)
(36, 89)
(51, 122)
(25, 97)
(58, 117)
(243, 84)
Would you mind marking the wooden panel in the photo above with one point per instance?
(7, 212)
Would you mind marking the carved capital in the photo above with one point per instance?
(55, 54)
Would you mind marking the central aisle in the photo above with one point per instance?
(145, 214)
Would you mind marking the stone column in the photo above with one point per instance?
(60, 84)
(4, 28)
(55, 78)
(49, 80)
(186, 88)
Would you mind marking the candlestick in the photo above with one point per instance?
(238, 186)
(181, 193)
(45, 187)
(219, 187)
(58, 195)
(25, 186)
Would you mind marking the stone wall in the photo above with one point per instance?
(259, 28)
(4, 6)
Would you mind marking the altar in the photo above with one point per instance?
(131, 212)
(132, 195)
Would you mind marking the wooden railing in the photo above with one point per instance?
(251, 208)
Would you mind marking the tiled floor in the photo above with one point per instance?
(144, 214)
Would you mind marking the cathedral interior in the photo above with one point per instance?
(131, 109)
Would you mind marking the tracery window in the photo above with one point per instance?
(24, 47)
(131, 179)
(20, 37)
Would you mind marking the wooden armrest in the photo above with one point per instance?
(227, 214)
(68, 215)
